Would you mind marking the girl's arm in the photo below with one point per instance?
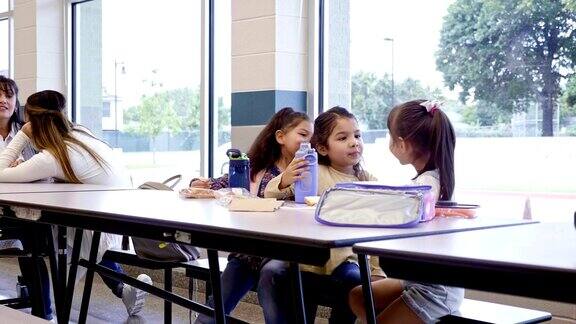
(210, 183)
(12, 152)
(282, 186)
(273, 189)
(40, 166)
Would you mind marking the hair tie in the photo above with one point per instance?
(431, 106)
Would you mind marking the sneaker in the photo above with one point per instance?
(134, 298)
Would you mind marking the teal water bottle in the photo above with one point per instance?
(307, 186)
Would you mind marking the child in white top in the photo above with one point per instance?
(338, 141)
(71, 154)
(420, 135)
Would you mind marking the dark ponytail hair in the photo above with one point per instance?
(9, 87)
(428, 133)
(265, 150)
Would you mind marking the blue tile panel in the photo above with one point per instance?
(256, 107)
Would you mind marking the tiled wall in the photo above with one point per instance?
(39, 60)
(269, 62)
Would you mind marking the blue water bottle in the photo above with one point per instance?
(238, 169)
(308, 186)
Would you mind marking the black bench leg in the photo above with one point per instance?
(58, 295)
(298, 296)
(72, 276)
(216, 286)
(36, 291)
(89, 278)
(168, 288)
(367, 288)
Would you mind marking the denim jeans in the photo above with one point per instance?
(114, 285)
(237, 279)
(330, 290)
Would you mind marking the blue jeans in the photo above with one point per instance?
(114, 285)
(330, 290)
(237, 279)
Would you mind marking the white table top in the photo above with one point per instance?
(166, 209)
(53, 187)
(544, 246)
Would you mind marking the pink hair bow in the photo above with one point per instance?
(431, 106)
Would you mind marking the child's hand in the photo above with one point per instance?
(294, 171)
(15, 163)
(200, 183)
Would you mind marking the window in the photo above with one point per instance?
(381, 53)
(137, 82)
(5, 45)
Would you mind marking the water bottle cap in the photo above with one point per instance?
(233, 153)
(236, 154)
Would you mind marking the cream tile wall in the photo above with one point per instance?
(39, 61)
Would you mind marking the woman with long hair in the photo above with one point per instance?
(69, 153)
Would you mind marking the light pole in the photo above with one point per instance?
(391, 40)
(116, 63)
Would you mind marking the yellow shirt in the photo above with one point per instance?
(327, 178)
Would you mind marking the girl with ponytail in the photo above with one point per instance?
(420, 135)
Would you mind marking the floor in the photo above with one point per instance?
(107, 308)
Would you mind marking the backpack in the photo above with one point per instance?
(158, 250)
(164, 185)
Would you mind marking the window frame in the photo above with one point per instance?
(207, 114)
(9, 16)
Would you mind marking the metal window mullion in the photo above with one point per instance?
(321, 54)
(207, 90)
(211, 114)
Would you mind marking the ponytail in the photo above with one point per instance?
(442, 144)
(427, 128)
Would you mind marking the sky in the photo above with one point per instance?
(139, 43)
(414, 25)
